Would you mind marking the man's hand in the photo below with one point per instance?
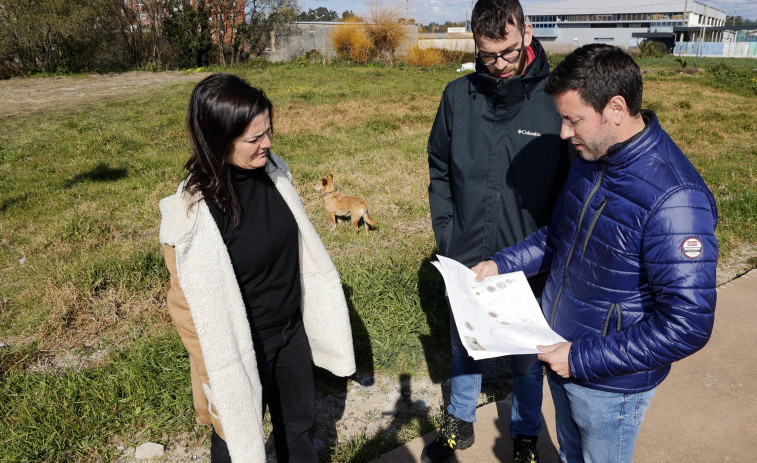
(556, 356)
(485, 269)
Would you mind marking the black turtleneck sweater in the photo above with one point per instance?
(264, 248)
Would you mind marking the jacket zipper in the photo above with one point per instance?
(618, 324)
(593, 222)
(575, 241)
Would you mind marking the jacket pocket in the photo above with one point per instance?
(593, 223)
(614, 308)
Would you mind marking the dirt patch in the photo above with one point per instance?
(738, 263)
(370, 407)
(25, 96)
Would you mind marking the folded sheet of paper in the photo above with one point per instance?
(499, 316)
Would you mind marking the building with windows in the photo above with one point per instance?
(564, 25)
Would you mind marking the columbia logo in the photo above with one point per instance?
(528, 132)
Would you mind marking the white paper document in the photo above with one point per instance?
(499, 316)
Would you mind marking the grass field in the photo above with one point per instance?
(82, 278)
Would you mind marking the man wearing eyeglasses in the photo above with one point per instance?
(496, 164)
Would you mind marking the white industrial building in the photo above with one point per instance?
(567, 24)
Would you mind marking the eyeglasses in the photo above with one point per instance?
(509, 56)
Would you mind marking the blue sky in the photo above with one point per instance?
(426, 11)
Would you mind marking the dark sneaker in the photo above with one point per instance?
(455, 434)
(524, 449)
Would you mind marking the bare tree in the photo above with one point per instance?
(152, 26)
(226, 17)
(269, 18)
(126, 22)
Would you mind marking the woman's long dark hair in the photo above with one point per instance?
(220, 109)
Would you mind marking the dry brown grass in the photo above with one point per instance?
(385, 31)
(681, 115)
(76, 318)
(352, 42)
(425, 57)
(326, 117)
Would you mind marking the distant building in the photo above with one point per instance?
(572, 23)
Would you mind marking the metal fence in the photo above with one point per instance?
(717, 49)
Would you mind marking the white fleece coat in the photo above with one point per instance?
(209, 284)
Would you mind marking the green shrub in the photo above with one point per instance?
(311, 57)
(652, 49)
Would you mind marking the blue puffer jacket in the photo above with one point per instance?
(632, 252)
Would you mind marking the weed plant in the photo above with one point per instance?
(81, 269)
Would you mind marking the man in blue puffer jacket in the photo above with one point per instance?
(632, 251)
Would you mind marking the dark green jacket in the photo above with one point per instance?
(496, 161)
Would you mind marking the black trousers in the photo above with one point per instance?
(286, 374)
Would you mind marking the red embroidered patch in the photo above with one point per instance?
(692, 248)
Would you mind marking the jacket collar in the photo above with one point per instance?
(179, 211)
(623, 153)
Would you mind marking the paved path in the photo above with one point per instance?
(703, 412)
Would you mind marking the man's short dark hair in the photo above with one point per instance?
(599, 72)
(490, 18)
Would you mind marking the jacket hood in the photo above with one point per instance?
(517, 86)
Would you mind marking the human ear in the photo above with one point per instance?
(616, 109)
(528, 34)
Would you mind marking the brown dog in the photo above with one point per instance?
(342, 205)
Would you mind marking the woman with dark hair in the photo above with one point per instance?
(254, 294)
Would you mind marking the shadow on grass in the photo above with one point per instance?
(100, 173)
(328, 385)
(14, 200)
(436, 345)
(409, 418)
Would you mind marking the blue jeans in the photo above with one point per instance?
(525, 418)
(596, 426)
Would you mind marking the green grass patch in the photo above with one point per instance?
(75, 415)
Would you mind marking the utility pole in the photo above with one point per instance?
(704, 28)
(471, 27)
(735, 9)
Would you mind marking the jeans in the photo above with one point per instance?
(596, 426)
(286, 374)
(525, 418)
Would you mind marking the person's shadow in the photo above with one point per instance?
(436, 344)
(331, 391)
(404, 412)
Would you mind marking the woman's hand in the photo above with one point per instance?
(485, 269)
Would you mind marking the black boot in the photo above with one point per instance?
(455, 434)
(524, 449)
